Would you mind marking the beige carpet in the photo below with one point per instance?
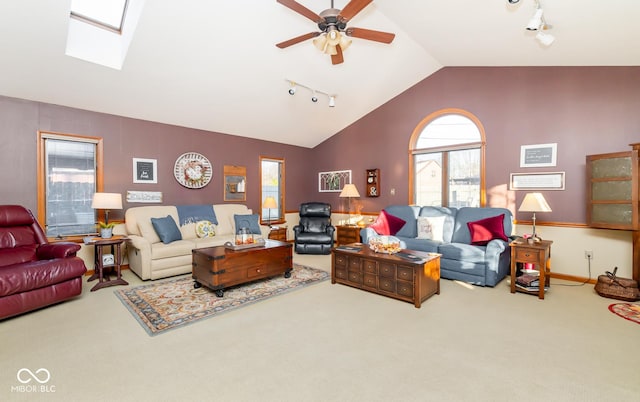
(334, 343)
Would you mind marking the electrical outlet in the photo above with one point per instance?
(588, 254)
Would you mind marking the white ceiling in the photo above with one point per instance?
(213, 64)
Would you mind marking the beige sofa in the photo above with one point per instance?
(149, 258)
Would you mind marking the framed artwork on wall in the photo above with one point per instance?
(235, 183)
(541, 155)
(537, 181)
(145, 170)
(333, 181)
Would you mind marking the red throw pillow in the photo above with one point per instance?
(387, 224)
(485, 230)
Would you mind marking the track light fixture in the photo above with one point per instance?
(314, 92)
(538, 24)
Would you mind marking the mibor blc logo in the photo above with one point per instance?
(33, 382)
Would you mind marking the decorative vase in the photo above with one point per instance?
(106, 233)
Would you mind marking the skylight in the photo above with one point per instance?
(108, 14)
(100, 31)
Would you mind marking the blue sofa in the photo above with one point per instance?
(484, 265)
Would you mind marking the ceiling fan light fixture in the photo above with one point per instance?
(320, 42)
(345, 42)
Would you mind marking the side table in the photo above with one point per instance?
(278, 233)
(115, 243)
(536, 253)
(346, 234)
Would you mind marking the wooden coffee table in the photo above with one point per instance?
(412, 276)
(220, 267)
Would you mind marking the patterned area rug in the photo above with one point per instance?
(627, 311)
(166, 305)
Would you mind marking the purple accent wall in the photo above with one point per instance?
(125, 139)
(586, 110)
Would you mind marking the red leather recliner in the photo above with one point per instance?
(33, 272)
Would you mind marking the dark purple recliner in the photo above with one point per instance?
(33, 272)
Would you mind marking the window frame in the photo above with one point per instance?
(42, 137)
(281, 191)
(413, 151)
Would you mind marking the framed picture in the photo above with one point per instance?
(537, 181)
(541, 155)
(144, 196)
(145, 170)
(333, 181)
(235, 183)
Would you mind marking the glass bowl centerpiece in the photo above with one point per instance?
(384, 244)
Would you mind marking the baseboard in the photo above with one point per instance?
(573, 278)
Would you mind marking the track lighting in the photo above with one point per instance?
(536, 21)
(314, 92)
(538, 24)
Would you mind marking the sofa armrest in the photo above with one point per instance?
(366, 233)
(50, 251)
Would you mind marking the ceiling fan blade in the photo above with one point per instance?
(352, 8)
(337, 58)
(300, 9)
(297, 39)
(378, 36)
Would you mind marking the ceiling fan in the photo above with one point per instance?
(332, 38)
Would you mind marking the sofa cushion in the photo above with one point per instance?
(461, 233)
(431, 227)
(484, 230)
(166, 229)
(249, 221)
(407, 213)
(205, 229)
(387, 224)
(462, 252)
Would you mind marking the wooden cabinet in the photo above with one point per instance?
(388, 275)
(373, 182)
(613, 195)
(220, 267)
(347, 234)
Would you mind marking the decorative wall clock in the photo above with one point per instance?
(193, 170)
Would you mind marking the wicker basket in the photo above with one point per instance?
(610, 286)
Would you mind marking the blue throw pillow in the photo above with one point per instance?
(250, 222)
(166, 229)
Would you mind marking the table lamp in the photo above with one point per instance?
(349, 191)
(534, 202)
(106, 201)
(269, 203)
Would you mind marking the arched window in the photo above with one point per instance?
(446, 158)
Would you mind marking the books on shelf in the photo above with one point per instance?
(530, 283)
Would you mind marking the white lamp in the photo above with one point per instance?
(106, 201)
(349, 191)
(269, 203)
(534, 202)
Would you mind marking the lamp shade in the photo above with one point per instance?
(534, 202)
(270, 203)
(349, 190)
(106, 201)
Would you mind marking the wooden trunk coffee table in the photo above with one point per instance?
(412, 276)
(220, 267)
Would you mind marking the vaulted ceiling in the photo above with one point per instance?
(213, 64)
